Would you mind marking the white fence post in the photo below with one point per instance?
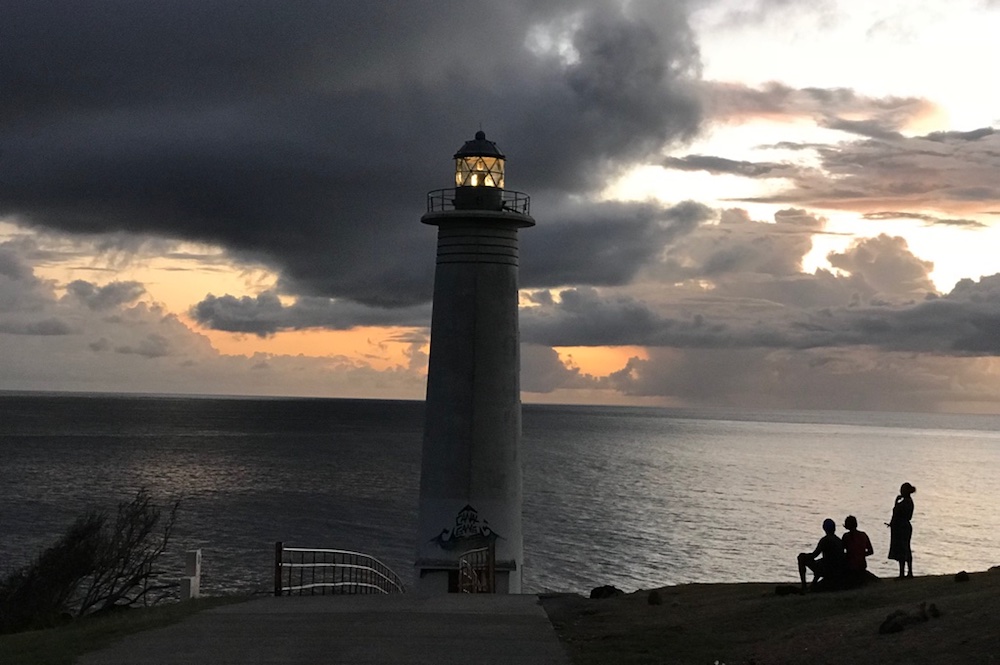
(191, 582)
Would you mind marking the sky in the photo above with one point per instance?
(763, 204)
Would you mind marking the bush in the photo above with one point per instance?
(95, 566)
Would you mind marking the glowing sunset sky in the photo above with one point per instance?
(766, 204)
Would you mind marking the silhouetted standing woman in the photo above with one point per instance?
(900, 530)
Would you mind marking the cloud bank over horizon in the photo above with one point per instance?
(302, 139)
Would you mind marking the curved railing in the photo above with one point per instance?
(311, 571)
(441, 200)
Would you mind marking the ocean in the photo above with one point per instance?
(634, 497)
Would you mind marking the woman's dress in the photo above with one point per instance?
(900, 530)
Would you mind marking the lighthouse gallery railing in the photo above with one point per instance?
(310, 571)
(440, 200)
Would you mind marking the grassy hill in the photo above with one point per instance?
(744, 624)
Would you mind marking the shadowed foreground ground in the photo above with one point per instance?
(742, 624)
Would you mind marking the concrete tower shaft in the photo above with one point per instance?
(470, 485)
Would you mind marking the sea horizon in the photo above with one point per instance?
(715, 412)
(633, 496)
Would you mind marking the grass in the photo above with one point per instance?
(62, 645)
(744, 624)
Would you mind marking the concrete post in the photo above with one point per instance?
(191, 582)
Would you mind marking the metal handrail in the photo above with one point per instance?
(321, 570)
(442, 200)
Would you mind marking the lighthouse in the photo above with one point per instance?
(469, 527)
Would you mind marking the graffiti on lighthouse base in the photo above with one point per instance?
(468, 533)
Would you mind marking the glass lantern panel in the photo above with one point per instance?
(462, 171)
(478, 171)
(494, 167)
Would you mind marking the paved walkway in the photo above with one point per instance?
(361, 630)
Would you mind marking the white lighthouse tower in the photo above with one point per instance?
(469, 530)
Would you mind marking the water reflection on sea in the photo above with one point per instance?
(631, 497)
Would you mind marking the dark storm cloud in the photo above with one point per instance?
(721, 165)
(24, 298)
(737, 282)
(108, 296)
(964, 322)
(887, 266)
(803, 379)
(758, 298)
(586, 317)
(870, 128)
(948, 171)
(304, 135)
(265, 315)
(974, 135)
(841, 108)
(582, 317)
(409, 337)
(542, 371)
(930, 220)
(770, 14)
(738, 245)
(886, 168)
(790, 145)
(43, 327)
(603, 244)
(11, 267)
(152, 346)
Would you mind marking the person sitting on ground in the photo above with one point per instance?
(857, 546)
(828, 570)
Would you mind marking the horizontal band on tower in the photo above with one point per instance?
(478, 258)
(485, 241)
(474, 232)
(477, 248)
(476, 244)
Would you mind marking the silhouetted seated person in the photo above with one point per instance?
(828, 571)
(857, 546)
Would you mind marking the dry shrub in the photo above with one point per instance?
(96, 566)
